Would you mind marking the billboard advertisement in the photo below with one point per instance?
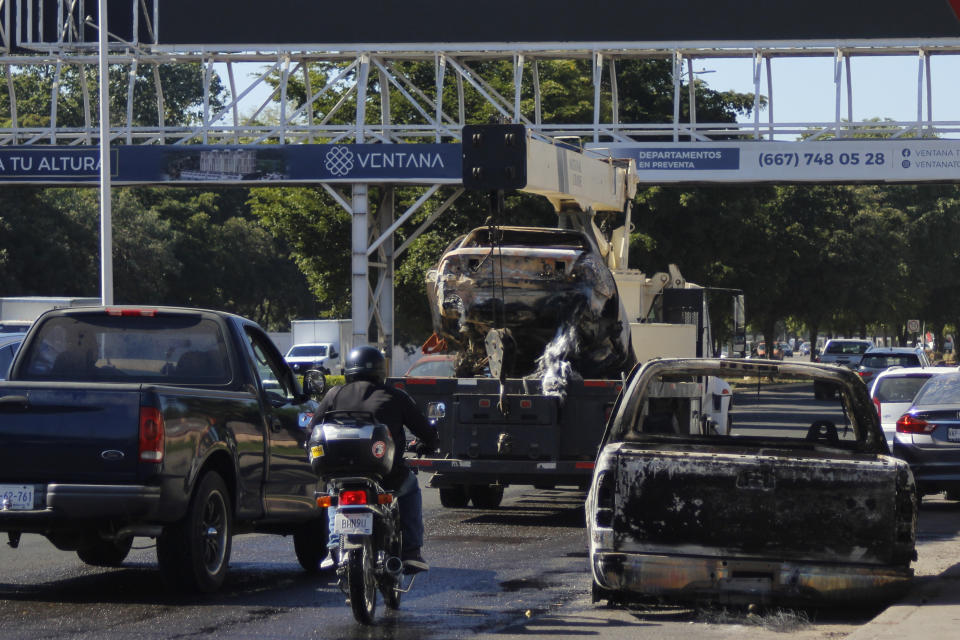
(305, 22)
(854, 160)
(296, 164)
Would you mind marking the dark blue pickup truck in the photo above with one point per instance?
(183, 425)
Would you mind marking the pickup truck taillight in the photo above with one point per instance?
(151, 435)
(605, 492)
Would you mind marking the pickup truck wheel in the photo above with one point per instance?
(310, 544)
(486, 497)
(194, 553)
(454, 497)
(98, 552)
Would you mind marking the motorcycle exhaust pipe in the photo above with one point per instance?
(394, 565)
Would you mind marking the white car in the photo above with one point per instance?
(893, 391)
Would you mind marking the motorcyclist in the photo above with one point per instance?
(365, 371)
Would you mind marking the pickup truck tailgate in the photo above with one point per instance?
(69, 433)
(768, 506)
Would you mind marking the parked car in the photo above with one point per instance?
(878, 359)
(785, 349)
(788, 505)
(928, 436)
(845, 352)
(893, 392)
(8, 348)
(435, 365)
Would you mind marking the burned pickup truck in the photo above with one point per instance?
(798, 504)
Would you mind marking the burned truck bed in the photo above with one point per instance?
(798, 501)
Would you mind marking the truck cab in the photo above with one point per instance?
(322, 356)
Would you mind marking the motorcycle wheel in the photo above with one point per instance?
(362, 583)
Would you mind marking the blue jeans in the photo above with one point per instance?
(410, 503)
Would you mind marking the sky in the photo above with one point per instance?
(803, 88)
(804, 91)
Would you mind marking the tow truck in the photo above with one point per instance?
(499, 428)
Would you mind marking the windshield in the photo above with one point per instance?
(432, 369)
(886, 361)
(104, 348)
(308, 351)
(898, 389)
(849, 348)
(943, 389)
(729, 408)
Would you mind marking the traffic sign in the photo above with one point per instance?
(913, 326)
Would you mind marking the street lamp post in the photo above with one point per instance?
(106, 231)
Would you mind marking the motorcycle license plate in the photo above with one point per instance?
(353, 523)
(16, 496)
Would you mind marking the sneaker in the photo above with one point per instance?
(329, 562)
(413, 562)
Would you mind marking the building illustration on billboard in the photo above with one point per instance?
(225, 165)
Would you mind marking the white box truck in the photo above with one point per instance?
(320, 344)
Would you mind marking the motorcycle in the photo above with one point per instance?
(351, 452)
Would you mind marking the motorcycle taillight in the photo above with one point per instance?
(352, 497)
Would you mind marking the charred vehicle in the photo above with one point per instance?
(798, 504)
(542, 287)
(537, 417)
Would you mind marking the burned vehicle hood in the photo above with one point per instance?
(545, 287)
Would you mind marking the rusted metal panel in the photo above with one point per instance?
(742, 581)
(756, 506)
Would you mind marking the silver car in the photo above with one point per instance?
(878, 359)
(928, 436)
(893, 392)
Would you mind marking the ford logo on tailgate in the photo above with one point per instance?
(111, 455)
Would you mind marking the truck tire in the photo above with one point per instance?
(310, 544)
(98, 552)
(454, 497)
(194, 553)
(486, 496)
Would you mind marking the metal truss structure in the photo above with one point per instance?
(359, 76)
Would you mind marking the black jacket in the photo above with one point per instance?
(390, 406)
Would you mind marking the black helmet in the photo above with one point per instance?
(365, 363)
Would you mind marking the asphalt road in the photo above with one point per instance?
(489, 570)
(519, 571)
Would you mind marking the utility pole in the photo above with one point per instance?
(106, 230)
